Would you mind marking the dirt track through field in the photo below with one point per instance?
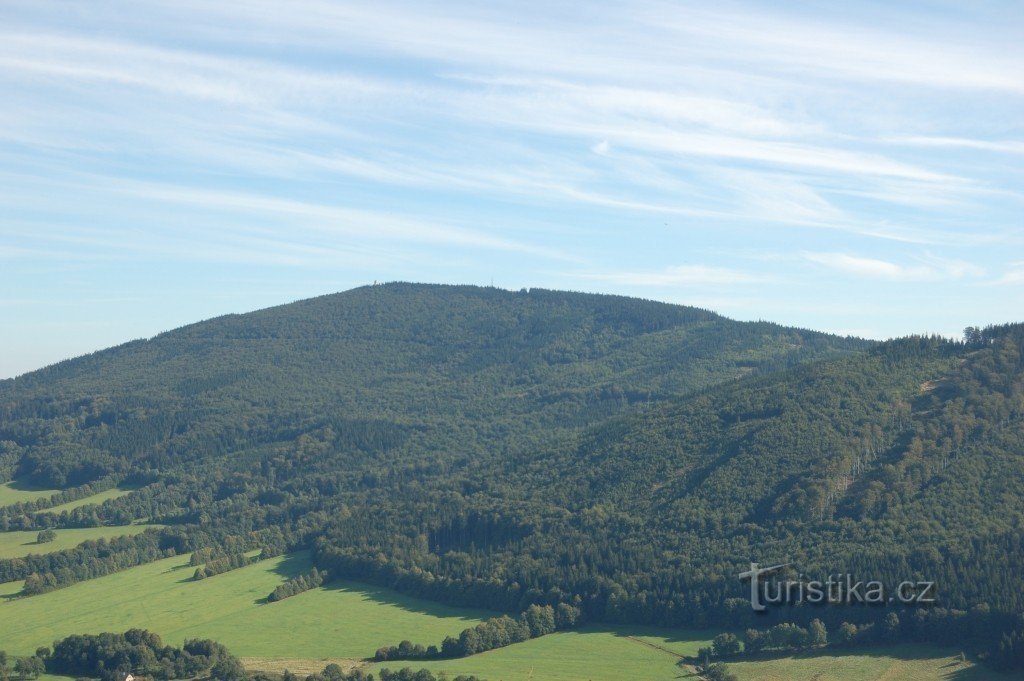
(298, 666)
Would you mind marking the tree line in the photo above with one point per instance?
(217, 566)
(496, 632)
(297, 585)
(111, 656)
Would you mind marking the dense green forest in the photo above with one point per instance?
(513, 449)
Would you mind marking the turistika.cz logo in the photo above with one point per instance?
(841, 589)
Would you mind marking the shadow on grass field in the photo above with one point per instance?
(679, 643)
(592, 653)
(347, 621)
(26, 486)
(292, 565)
(390, 598)
(886, 663)
(17, 491)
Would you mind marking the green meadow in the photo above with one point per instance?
(343, 620)
(15, 492)
(20, 544)
(605, 655)
(589, 654)
(899, 663)
(346, 622)
(11, 589)
(99, 498)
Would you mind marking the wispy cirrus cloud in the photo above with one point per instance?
(255, 223)
(677, 275)
(242, 81)
(1002, 146)
(456, 141)
(1013, 276)
(859, 52)
(928, 268)
(528, 80)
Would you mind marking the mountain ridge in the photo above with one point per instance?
(401, 286)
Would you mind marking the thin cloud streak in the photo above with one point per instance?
(998, 146)
(677, 275)
(244, 82)
(641, 145)
(874, 268)
(617, 39)
(605, 112)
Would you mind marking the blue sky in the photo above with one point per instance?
(852, 167)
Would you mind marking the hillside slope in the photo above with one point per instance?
(497, 449)
(443, 366)
(904, 462)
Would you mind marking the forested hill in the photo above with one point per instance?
(908, 457)
(903, 462)
(502, 449)
(454, 368)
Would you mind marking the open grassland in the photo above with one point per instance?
(346, 622)
(899, 663)
(589, 654)
(343, 620)
(20, 544)
(15, 492)
(99, 498)
(11, 589)
(606, 655)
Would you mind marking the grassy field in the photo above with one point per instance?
(343, 621)
(14, 492)
(112, 493)
(590, 654)
(605, 655)
(8, 589)
(347, 622)
(20, 544)
(903, 663)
